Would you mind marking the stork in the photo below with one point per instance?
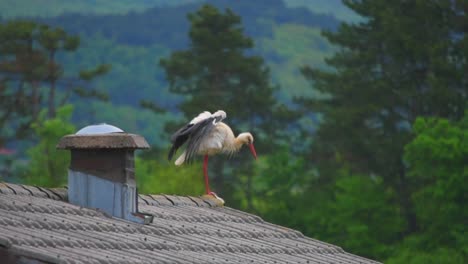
(206, 135)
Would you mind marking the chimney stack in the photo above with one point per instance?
(102, 170)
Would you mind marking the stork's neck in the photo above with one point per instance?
(238, 142)
(242, 139)
(234, 144)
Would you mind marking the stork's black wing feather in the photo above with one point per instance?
(193, 133)
(195, 139)
(179, 138)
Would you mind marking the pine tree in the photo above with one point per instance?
(405, 59)
(437, 165)
(30, 75)
(216, 73)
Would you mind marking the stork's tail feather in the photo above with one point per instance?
(171, 153)
(180, 159)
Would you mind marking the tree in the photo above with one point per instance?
(278, 182)
(48, 166)
(361, 216)
(404, 60)
(215, 73)
(30, 75)
(53, 41)
(170, 179)
(21, 64)
(437, 168)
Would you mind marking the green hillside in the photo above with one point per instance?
(286, 34)
(49, 8)
(333, 7)
(287, 38)
(296, 45)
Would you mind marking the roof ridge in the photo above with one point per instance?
(24, 190)
(148, 199)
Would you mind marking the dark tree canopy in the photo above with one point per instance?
(404, 60)
(31, 76)
(216, 73)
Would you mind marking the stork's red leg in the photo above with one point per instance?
(205, 171)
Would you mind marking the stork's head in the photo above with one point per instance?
(247, 139)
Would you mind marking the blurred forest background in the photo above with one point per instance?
(358, 108)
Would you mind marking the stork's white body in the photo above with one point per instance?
(220, 140)
(206, 135)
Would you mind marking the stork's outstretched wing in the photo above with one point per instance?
(194, 132)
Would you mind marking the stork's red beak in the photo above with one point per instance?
(252, 149)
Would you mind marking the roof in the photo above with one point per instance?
(39, 224)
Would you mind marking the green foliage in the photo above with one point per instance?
(133, 75)
(151, 106)
(90, 74)
(356, 212)
(133, 120)
(215, 73)
(31, 76)
(383, 80)
(408, 255)
(401, 62)
(363, 217)
(277, 188)
(377, 180)
(54, 40)
(438, 168)
(48, 166)
(159, 176)
(133, 53)
(293, 45)
(22, 67)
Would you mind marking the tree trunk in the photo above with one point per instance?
(51, 112)
(52, 79)
(35, 100)
(406, 204)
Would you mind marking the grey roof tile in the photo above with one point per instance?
(38, 223)
(4, 188)
(159, 200)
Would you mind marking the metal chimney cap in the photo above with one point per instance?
(102, 128)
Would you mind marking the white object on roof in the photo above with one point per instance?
(102, 128)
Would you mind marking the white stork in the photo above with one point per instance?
(207, 135)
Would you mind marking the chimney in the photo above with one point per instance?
(102, 170)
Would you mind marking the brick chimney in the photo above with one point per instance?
(102, 170)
